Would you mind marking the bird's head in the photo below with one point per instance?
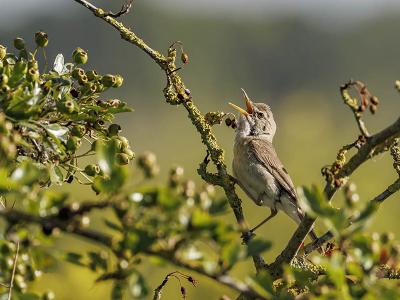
(255, 120)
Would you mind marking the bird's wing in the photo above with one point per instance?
(265, 153)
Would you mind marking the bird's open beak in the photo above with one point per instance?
(249, 105)
(248, 102)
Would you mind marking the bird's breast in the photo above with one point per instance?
(253, 177)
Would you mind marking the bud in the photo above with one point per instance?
(80, 56)
(373, 109)
(32, 74)
(92, 75)
(19, 43)
(67, 106)
(374, 100)
(108, 80)
(118, 81)
(129, 152)
(41, 39)
(114, 103)
(83, 80)
(114, 129)
(228, 122)
(184, 58)
(122, 158)
(3, 52)
(77, 73)
(125, 142)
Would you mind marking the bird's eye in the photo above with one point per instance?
(260, 115)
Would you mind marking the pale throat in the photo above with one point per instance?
(244, 131)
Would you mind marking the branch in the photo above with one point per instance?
(177, 93)
(378, 141)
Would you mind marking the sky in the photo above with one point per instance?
(337, 10)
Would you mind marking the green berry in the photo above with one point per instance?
(114, 129)
(124, 140)
(19, 43)
(118, 81)
(3, 52)
(122, 158)
(67, 106)
(32, 74)
(108, 80)
(41, 39)
(82, 79)
(92, 75)
(80, 56)
(129, 152)
(91, 170)
(77, 73)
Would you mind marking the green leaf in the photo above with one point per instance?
(6, 183)
(262, 283)
(106, 153)
(56, 176)
(231, 253)
(315, 202)
(257, 246)
(202, 219)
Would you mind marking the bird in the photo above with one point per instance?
(257, 167)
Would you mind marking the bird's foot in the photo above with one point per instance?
(247, 236)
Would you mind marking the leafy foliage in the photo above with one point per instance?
(49, 121)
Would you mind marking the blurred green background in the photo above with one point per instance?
(292, 56)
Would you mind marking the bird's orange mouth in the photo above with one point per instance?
(249, 105)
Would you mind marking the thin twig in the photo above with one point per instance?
(13, 272)
(124, 10)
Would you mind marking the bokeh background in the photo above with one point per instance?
(293, 55)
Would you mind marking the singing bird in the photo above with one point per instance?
(256, 165)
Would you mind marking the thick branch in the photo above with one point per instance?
(366, 151)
